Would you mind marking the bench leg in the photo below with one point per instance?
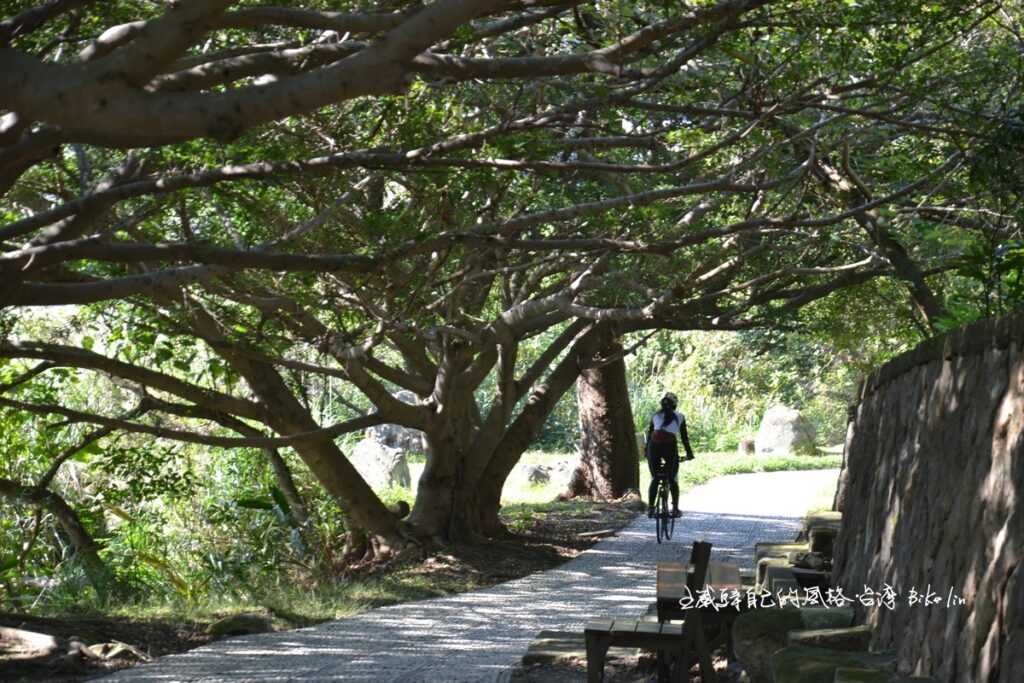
(597, 648)
(680, 670)
(682, 659)
(664, 664)
(707, 671)
(730, 652)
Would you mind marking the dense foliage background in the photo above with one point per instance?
(770, 198)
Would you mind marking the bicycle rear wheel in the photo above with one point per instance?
(667, 521)
(659, 518)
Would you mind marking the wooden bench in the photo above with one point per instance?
(601, 635)
(677, 645)
(777, 550)
(763, 565)
(821, 539)
(820, 530)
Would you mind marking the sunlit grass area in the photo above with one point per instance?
(520, 491)
(707, 466)
(823, 499)
(291, 606)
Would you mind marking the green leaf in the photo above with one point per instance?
(255, 503)
(172, 576)
(282, 502)
(91, 449)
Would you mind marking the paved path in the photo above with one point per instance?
(478, 636)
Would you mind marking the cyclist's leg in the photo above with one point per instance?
(652, 464)
(672, 466)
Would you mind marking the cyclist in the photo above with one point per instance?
(667, 426)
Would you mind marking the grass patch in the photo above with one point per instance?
(707, 466)
(519, 490)
(552, 526)
(293, 605)
(823, 499)
(523, 516)
(345, 599)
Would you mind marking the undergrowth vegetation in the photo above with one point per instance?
(218, 553)
(186, 529)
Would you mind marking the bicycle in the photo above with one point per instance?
(664, 520)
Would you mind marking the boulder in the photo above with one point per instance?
(759, 634)
(807, 560)
(850, 675)
(397, 436)
(851, 638)
(824, 518)
(538, 474)
(784, 430)
(564, 466)
(780, 550)
(240, 624)
(381, 466)
(827, 617)
(806, 664)
(115, 650)
(632, 501)
(37, 644)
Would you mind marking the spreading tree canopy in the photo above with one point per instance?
(468, 199)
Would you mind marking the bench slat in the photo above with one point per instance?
(599, 626)
(722, 575)
(624, 626)
(639, 632)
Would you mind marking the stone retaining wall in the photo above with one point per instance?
(931, 492)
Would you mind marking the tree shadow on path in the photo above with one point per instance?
(474, 636)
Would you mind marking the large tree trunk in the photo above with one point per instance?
(459, 492)
(443, 508)
(608, 466)
(525, 428)
(86, 548)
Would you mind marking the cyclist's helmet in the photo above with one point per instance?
(669, 401)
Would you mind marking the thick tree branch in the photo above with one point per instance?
(29, 294)
(114, 115)
(31, 19)
(312, 436)
(69, 356)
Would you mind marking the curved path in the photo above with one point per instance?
(478, 636)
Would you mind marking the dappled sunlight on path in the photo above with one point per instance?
(477, 636)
